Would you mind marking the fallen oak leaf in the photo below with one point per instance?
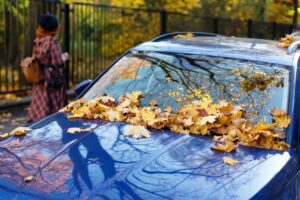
(136, 131)
(228, 147)
(20, 131)
(230, 161)
(78, 130)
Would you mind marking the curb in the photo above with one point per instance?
(25, 101)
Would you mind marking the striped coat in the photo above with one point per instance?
(49, 95)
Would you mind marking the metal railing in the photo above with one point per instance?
(95, 35)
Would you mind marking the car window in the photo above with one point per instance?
(175, 79)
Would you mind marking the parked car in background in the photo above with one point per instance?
(172, 68)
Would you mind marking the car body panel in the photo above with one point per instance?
(241, 48)
(106, 164)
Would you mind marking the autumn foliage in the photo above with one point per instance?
(223, 120)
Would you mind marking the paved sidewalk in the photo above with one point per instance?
(13, 117)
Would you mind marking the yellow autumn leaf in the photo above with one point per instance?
(188, 122)
(227, 147)
(208, 119)
(20, 131)
(136, 131)
(106, 99)
(114, 115)
(168, 109)
(28, 179)
(198, 117)
(74, 105)
(4, 135)
(187, 35)
(225, 107)
(286, 41)
(134, 96)
(277, 112)
(282, 121)
(230, 161)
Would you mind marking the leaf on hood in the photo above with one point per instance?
(136, 131)
(28, 179)
(20, 131)
(230, 161)
(227, 147)
(4, 135)
(78, 130)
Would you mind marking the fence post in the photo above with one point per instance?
(274, 29)
(249, 25)
(67, 40)
(216, 25)
(163, 22)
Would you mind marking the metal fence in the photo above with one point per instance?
(95, 35)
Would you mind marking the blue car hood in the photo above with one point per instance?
(106, 165)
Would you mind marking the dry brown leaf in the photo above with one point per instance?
(230, 161)
(78, 130)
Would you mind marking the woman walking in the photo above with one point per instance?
(49, 95)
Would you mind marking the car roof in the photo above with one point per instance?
(222, 46)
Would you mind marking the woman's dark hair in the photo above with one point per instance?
(48, 25)
(48, 22)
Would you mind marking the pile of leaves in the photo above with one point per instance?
(223, 120)
(286, 41)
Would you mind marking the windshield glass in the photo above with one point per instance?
(175, 79)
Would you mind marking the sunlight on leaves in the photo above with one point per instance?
(223, 120)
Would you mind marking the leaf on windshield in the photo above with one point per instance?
(78, 130)
(74, 105)
(136, 131)
(282, 121)
(277, 112)
(227, 147)
(230, 161)
(226, 121)
(20, 131)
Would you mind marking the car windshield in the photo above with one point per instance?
(175, 79)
